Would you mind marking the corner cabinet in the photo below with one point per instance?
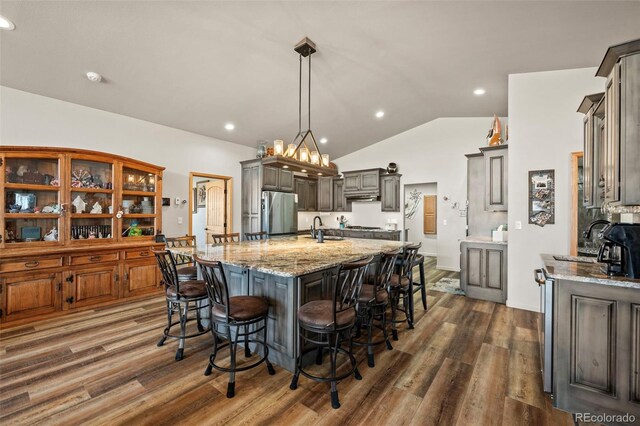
(495, 178)
(68, 220)
(390, 192)
(483, 271)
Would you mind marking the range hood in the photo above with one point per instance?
(363, 196)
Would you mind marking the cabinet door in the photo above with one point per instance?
(28, 295)
(483, 271)
(338, 195)
(141, 277)
(612, 142)
(325, 194)
(237, 280)
(312, 196)
(495, 168)
(251, 198)
(285, 180)
(302, 190)
(270, 177)
(352, 182)
(88, 286)
(587, 166)
(630, 130)
(370, 181)
(390, 193)
(312, 287)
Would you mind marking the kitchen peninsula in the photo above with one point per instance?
(289, 271)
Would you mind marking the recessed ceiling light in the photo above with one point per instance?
(229, 126)
(379, 114)
(323, 140)
(303, 171)
(319, 174)
(285, 167)
(94, 77)
(479, 92)
(6, 24)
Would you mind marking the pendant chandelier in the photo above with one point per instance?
(302, 154)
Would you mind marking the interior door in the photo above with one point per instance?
(430, 205)
(216, 208)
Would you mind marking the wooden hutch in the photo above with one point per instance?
(77, 228)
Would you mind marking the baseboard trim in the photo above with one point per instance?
(526, 307)
(447, 268)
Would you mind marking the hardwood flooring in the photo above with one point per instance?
(466, 362)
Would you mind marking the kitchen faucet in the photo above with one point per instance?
(313, 227)
(587, 232)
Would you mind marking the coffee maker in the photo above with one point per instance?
(621, 249)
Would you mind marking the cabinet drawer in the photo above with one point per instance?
(88, 259)
(138, 253)
(31, 264)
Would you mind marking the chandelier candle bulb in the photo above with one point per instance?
(291, 150)
(278, 147)
(304, 154)
(325, 160)
(315, 157)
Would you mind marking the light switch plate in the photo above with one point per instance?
(179, 220)
(444, 222)
(518, 224)
(178, 200)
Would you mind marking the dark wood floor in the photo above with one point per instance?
(466, 362)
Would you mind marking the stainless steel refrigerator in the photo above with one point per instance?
(279, 213)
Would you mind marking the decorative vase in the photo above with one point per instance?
(496, 138)
(392, 168)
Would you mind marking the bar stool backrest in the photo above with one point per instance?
(226, 238)
(186, 241)
(252, 236)
(215, 283)
(386, 268)
(408, 258)
(348, 285)
(167, 265)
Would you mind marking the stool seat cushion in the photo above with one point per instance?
(397, 281)
(191, 289)
(366, 294)
(187, 271)
(243, 308)
(319, 314)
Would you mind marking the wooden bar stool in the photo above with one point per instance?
(187, 269)
(252, 236)
(401, 287)
(182, 297)
(329, 324)
(226, 238)
(422, 285)
(234, 319)
(374, 300)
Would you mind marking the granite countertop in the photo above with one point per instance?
(482, 239)
(359, 230)
(584, 269)
(290, 256)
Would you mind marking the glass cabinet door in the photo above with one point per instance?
(32, 206)
(91, 201)
(139, 203)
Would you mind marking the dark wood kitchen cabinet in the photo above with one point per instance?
(307, 191)
(390, 192)
(325, 194)
(495, 178)
(251, 203)
(340, 203)
(592, 153)
(365, 181)
(483, 271)
(277, 179)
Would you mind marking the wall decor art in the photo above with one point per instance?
(411, 205)
(542, 197)
(201, 194)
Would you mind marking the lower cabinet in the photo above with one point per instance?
(483, 271)
(30, 294)
(141, 277)
(90, 285)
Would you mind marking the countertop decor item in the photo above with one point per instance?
(392, 168)
(494, 137)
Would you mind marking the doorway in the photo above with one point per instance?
(211, 205)
(421, 216)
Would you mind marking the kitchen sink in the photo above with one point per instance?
(577, 259)
(327, 238)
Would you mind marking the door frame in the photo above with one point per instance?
(229, 181)
(575, 156)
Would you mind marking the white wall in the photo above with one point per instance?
(544, 128)
(416, 224)
(432, 152)
(28, 119)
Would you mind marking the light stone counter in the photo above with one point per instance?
(585, 269)
(291, 256)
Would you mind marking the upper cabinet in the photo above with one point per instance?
(495, 178)
(325, 194)
(277, 179)
(362, 181)
(340, 203)
(612, 131)
(390, 192)
(306, 190)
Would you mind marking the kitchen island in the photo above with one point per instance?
(594, 324)
(289, 271)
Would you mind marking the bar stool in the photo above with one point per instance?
(232, 315)
(226, 238)
(181, 297)
(374, 300)
(252, 236)
(331, 323)
(422, 285)
(187, 269)
(401, 287)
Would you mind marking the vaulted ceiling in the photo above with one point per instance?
(198, 65)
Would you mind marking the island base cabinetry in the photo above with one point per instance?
(483, 271)
(596, 348)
